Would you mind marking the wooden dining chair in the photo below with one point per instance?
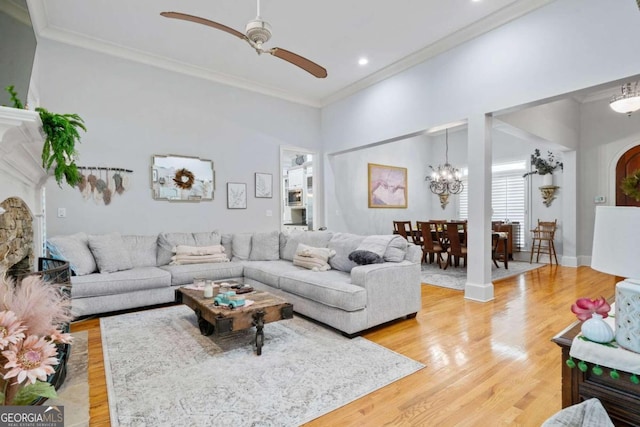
(543, 241)
(431, 244)
(456, 250)
(403, 228)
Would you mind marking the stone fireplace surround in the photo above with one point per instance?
(22, 180)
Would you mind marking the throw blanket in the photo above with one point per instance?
(390, 247)
(198, 259)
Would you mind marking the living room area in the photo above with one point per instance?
(495, 84)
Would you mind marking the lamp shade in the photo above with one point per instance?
(616, 241)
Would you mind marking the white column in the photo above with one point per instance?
(569, 197)
(479, 286)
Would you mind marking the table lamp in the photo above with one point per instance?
(616, 251)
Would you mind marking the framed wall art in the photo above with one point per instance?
(264, 185)
(181, 178)
(236, 195)
(387, 186)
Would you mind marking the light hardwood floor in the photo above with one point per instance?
(487, 364)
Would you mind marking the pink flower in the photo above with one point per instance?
(585, 307)
(58, 337)
(11, 329)
(30, 359)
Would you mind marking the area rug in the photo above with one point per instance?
(73, 394)
(456, 277)
(161, 371)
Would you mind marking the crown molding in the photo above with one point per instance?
(15, 11)
(503, 16)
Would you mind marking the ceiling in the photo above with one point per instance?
(333, 33)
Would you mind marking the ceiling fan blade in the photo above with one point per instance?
(203, 21)
(304, 63)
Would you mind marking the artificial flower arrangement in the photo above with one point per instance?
(31, 318)
(584, 308)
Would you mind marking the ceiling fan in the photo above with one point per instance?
(257, 32)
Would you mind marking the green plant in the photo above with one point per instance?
(14, 97)
(543, 166)
(59, 145)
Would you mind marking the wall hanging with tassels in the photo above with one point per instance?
(102, 183)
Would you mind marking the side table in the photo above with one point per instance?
(620, 397)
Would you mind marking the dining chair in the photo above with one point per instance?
(431, 244)
(403, 228)
(456, 250)
(543, 241)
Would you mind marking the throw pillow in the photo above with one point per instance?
(207, 238)
(143, 250)
(199, 250)
(265, 246)
(241, 246)
(74, 249)
(168, 241)
(365, 257)
(344, 244)
(310, 263)
(110, 253)
(397, 249)
(317, 239)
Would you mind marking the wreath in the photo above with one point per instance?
(630, 185)
(184, 179)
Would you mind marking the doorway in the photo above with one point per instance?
(297, 207)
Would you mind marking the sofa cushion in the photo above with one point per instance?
(73, 248)
(265, 246)
(332, 288)
(268, 272)
(343, 244)
(109, 252)
(397, 249)
(207, 238)
(226, 242)
(184, 274)
(168, 241)
(142, 250)
(241, 246)
(120, 282)
(317, 239)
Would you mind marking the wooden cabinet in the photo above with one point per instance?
(512, 228)
(620, 397)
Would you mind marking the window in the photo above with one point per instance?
(507, 196)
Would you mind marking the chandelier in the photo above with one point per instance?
(628, 101)
(445, 179)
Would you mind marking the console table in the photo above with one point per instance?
(620, 397)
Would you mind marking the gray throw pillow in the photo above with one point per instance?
(74, 249)
(142, 250)
(365, 257)
(226, 241)
(241, 246)
(168, 241)
(265, 246)
(207, 238)
(397, 249)
(110, 252)
(317, 239)
(344, 244)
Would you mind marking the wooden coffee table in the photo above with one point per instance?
(216, 320)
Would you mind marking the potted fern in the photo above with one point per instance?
(62, 134)
(544, 167)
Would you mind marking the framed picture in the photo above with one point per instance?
(236, 195)
(154, 175)
(264, 185)
(387, 186)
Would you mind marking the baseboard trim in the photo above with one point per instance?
(479, 292)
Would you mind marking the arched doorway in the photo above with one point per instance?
(628, 163)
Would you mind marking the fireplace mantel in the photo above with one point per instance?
(21, 171)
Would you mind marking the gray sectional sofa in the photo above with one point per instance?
(114, 272)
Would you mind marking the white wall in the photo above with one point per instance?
(133, 111)
(17, 47)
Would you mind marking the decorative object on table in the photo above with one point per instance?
(181, 178)
(445, 179)
(208, 289)
(615, 242)
(31, 317)
(184, 179)
(264, 185)
(628, 101)
(387, 186)
(591, 313)
(545, 168)
(236, 195)
(102, 190)
(630, 185)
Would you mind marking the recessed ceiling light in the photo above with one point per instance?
(363, 61)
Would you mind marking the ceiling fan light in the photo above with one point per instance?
(628, 101)
(258, 31)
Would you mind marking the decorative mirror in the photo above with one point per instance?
(181, 178)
